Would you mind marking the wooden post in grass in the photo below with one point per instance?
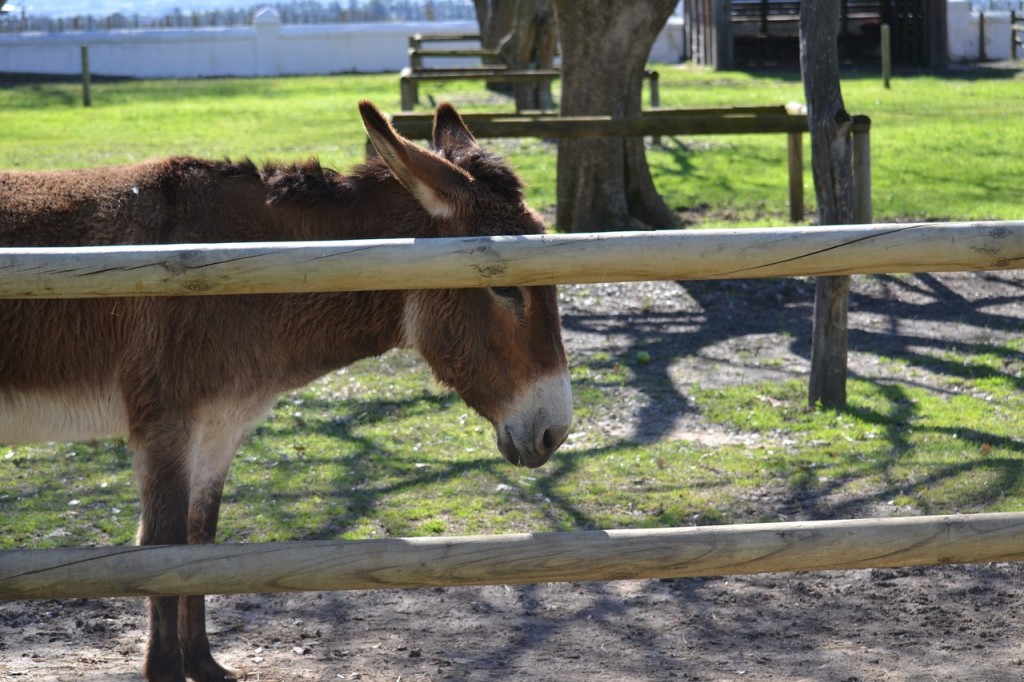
(795, 159)
(886, 55)
(863, 213)
(795, 163)
(86, 78)
(653, 77)
(982, 56)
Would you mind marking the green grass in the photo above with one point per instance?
(943, 145)
(377, 451)
(277, 118)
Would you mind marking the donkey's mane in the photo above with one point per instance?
(304, 182)
(489, 170)
(309, 182)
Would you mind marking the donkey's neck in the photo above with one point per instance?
(316, 203)
(310, 202)
(336, 329)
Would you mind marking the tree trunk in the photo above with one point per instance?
(604, 183)
(831, 162)
(525, 36)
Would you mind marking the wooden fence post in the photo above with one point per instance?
(86, 78)
(982, 57)
(408, 90)
(1016, 34)
(795, 164)
(863, 213)
(886, 55)
(653, 77)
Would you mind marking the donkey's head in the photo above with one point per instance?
(499, 348)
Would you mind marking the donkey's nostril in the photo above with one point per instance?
(552, 438)
(548, 441)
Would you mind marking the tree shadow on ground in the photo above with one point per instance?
(931, 323)
(722, 312)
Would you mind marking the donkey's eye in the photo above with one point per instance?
(511, 295)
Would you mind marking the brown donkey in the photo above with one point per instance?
(184, 377)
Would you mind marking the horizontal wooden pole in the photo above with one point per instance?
(443, 37)
(495, 74)
(456, 73)
(482, 116)
(470, 52)
(292, 267)
(648, 123)
(511, 559)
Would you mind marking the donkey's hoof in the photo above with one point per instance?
(205, 669)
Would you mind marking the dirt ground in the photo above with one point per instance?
(945, 623)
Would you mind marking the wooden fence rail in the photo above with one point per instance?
(292, 267)
(409, 79)
(717, 121)
(790, 119)
(511, 559)
(499, 261)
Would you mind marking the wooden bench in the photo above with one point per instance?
(415, 73)
(789, 119)
(416, 40)
(418, 54)
(409, 79)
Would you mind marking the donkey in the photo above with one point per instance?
(183, 378)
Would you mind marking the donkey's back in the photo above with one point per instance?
(66, 364)
(178, 200)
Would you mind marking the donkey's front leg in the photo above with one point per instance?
(161, 463)
(220, 439)
(195, 644)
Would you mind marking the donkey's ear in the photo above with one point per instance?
(440, 186)
(450, 131)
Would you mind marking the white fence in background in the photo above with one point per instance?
(267, 48)
(969, 40)
(270, 48)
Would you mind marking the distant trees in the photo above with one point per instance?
(295, 12)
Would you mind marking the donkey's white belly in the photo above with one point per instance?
(38, 416)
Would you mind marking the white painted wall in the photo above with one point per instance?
(669, 47)
(963, 26)
(267, 48)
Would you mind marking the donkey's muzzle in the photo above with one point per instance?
(531, 433)
(544, 444)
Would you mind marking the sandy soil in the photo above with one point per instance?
(946, 623)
